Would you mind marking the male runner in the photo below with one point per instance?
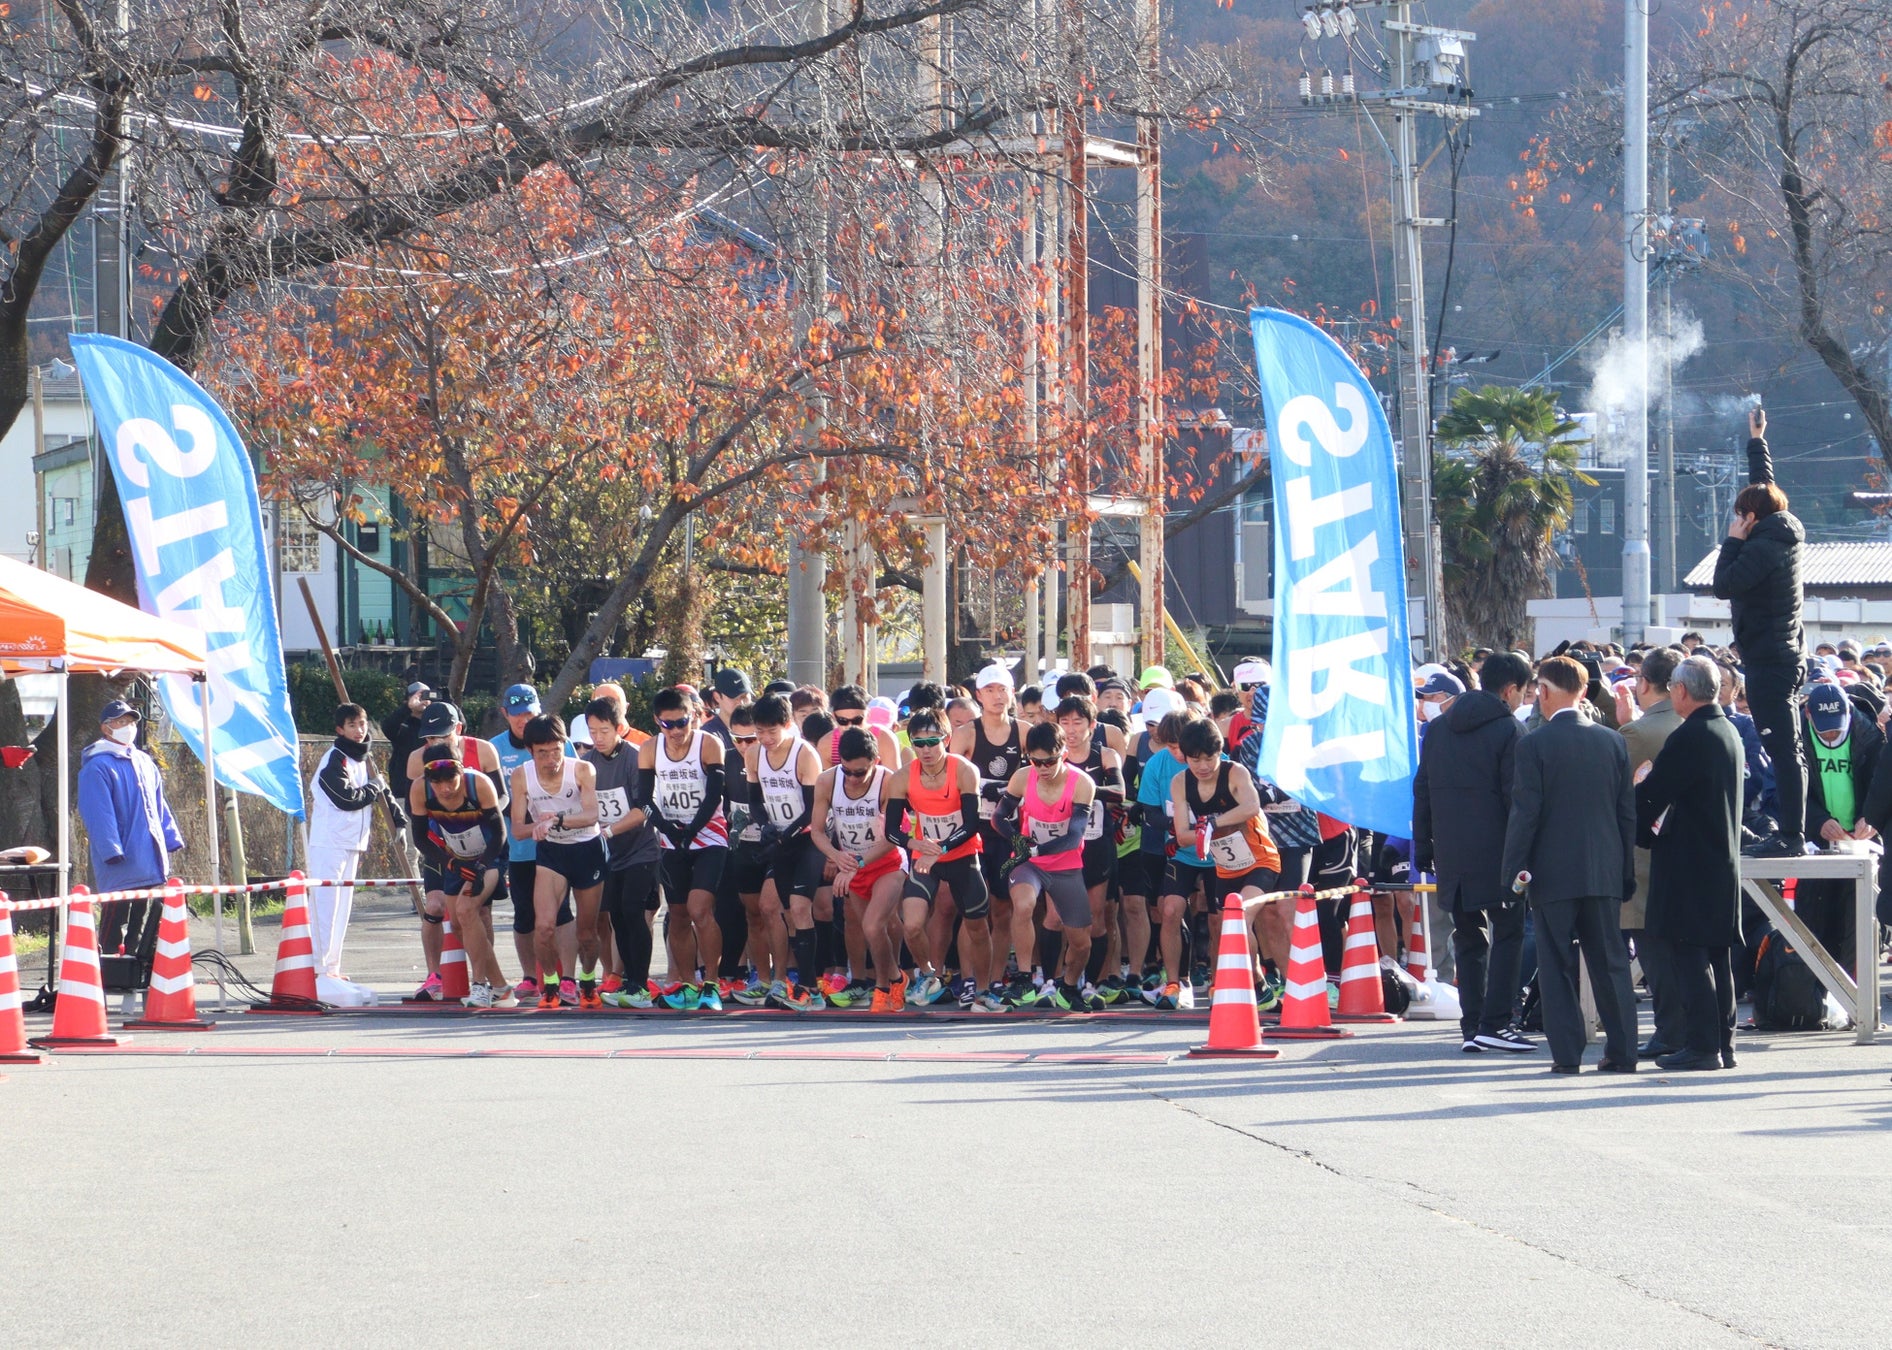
(1047, 808)
(995, 743)
(1086, 751)
(520, 704)
(680, 787)
(555, 801)
(781, 774)
(933, 812)
(630, 879)
(442, 733)
(456, 827)
(849, 827)
(1221, 841)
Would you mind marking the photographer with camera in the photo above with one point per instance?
(1758, 573)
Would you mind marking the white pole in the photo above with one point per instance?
(1636, 316)
(65, 805)
(933, 603)
(210, 805)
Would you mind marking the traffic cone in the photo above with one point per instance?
(1304, 1013)
(1361, 998)
(293, 989)
(1418, 953)
(453, 983)
(1234, 1030)
(12, 1021)
(171, 997)
(79, 1011)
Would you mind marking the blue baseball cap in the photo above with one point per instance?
(1827, 707)
(522, 698)
(115, 709)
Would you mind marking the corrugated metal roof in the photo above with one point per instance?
(1867, 564)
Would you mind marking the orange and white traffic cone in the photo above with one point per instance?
(1361, 998)
(293, 989)
(12, 1020)
(171, 997)
(79, 1011)
(453, 981)
(1304, 1011)
(1418, 954)
(1234, 1029)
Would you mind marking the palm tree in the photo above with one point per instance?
(1501, 491)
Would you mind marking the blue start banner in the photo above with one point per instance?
(197, 540)
(1340, 737)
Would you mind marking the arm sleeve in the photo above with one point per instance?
(895, 826)
(502, 789)
(968, 823)
(1109, 784)
(1073, 836)
(712, 800)
(799, 825)
(493, 827)
(1760, 465)
(644, 793)
(431, 851)
(1007, 818)
(332, 778)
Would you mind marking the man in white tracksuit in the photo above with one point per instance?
(341, 816)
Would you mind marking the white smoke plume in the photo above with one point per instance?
(1619, 368)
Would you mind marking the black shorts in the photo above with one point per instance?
(746, 868)
(451, 882)
(1181, 878)
(966, 878)
(1142, 874)
(521, 877)
(693, 869)
(797, 868)
(1261, 879)
(1100, 860)
(994, 857)
(582, 864)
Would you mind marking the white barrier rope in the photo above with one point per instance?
(162, 892)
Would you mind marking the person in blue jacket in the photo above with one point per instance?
(128, 824)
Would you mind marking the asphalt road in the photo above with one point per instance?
(358, 1180)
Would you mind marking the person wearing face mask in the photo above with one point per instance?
(1460, 808)
(341, 817)
(1435, 695)
(128, 824)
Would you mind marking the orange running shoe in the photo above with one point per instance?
(883, 1001)
(592, 1002)
(611, 984)
(897, 996)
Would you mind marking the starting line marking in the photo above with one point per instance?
(446, 1052)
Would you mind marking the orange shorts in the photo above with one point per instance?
(893, 860)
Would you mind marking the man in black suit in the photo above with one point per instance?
(1572, 837)
(1688, 814)
(1461, 800)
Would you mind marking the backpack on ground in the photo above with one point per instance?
(1788, 996)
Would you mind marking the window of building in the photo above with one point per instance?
(1606, 516)
(301, 543)
(65, 510)
(1580, 518)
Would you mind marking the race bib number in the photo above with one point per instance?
(782, 810)
(464, 843)
(1231, 851)
(857, 836)
(939, 829)
(1044, 831)
(613, 805)
(1094, 827)
(679, 800)
(988, 809)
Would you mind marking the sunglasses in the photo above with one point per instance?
(926, 742)
(1038, 763)
(673, 723)
(1248, 688)
(854, 721)
(743, 740)
(857, 773)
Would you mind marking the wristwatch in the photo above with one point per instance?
(558, 821)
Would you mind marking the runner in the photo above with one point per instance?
(743, 954)
(781, 774)
(1031, 705)
(1155, 813)
(456, 827)
(849, 828)
(995, 743)
(1219, 835)
(1079, 685)
(680, 787)
(1048, 807)
(442, 733)
(933, 811)
(1085, 750)
(520, 704)
(848, 707)
(1127, 873)
(555, 800)
(634, 855)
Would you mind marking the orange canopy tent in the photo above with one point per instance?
(49, 624)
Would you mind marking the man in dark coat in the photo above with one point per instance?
(1688, 814)
(1572, 842)
(1842, 745)
(1758, 572)
(1461, 805)
(402, 728)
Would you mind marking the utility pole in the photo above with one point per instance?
(1152, 469)
(1425, 76)
(1665, 538)
(808, 560)
(1636, 317)
(111, 266)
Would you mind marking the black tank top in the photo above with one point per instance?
(995, 763)
(1222, 800)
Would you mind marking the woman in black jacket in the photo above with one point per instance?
(1758, 574)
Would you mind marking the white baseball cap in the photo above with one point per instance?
(1256, 671)
(993, 674)
(1159, 703)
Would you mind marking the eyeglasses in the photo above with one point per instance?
(673, 723)
(1039, 763)
(926, 742)
(854, 721)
